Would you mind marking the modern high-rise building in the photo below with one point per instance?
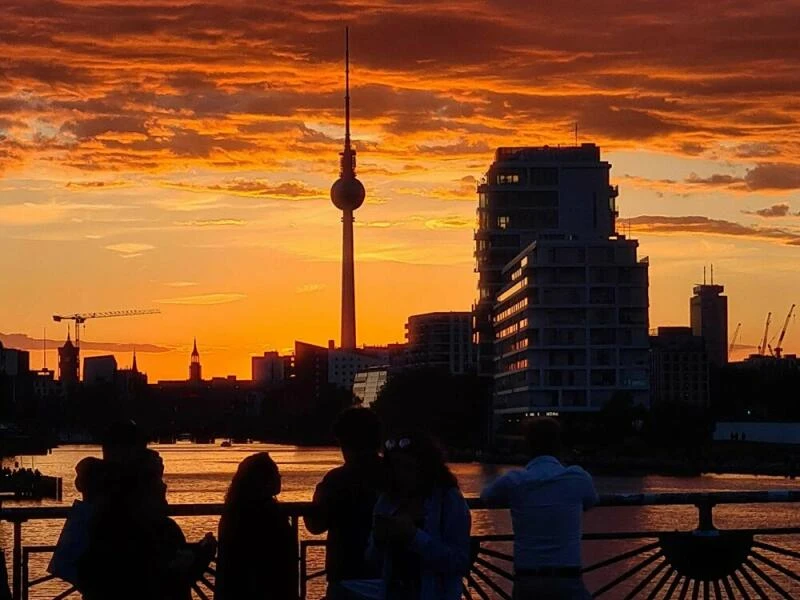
(561, 318)
(678, 368)
(571, 328)
(441, 340)
(531, 193)
(347, 194)
(709, 318)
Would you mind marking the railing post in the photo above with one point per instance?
(16, 562)
(303, 572)
(705, 509)
(25, 574)
(295, 520)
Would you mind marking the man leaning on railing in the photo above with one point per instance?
(546, 501)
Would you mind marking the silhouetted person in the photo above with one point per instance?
(74, 538)
(547, 501)
(5, 591)
(134, 549)
(90, 478)
(257, 549)
(421, 525)
(345, 499)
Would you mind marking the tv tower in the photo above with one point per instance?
(347, 194)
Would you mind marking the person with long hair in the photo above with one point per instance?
(257, 555)
(421, 525)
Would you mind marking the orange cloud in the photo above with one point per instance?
(287, 190)
(707, 226)
(204, 299)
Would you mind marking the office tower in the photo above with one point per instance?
(709, 317)
(531, 193)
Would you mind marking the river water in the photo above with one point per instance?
(201, 474)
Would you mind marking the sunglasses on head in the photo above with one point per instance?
(400, 444)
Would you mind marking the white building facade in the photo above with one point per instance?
(571, 328)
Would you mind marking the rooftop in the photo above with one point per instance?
(582, 153)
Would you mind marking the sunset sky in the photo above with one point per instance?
(178, 155)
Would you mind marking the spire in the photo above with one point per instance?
(195, 371)
(346, 88)
(347, 168)
(134, 368)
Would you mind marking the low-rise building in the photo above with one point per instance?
(679, 367)
(369, 383)
(271, 368)
(441, 340)
(99, 370)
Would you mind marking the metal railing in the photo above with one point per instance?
(705, 562)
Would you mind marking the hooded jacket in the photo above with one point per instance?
(547, 501)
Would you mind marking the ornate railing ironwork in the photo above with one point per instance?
(704, 562)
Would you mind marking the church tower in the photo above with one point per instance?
(68, 361)
(195, 370)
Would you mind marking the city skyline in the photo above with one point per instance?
(166, 175)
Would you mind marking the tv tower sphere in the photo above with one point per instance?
(348, 193)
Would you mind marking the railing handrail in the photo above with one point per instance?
(298, 509)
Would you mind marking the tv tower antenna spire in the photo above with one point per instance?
(347, 194)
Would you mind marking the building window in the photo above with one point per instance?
(503, 221)
(544, 176)
(513, 309)
(604, 377)
(507, 178)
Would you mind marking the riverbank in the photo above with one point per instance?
(723, 458)
(720, 458)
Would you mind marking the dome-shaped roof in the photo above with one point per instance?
(347, 193)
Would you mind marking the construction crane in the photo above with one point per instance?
(763, 346)
(734, 338)
(81, 318)
(779, 346)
